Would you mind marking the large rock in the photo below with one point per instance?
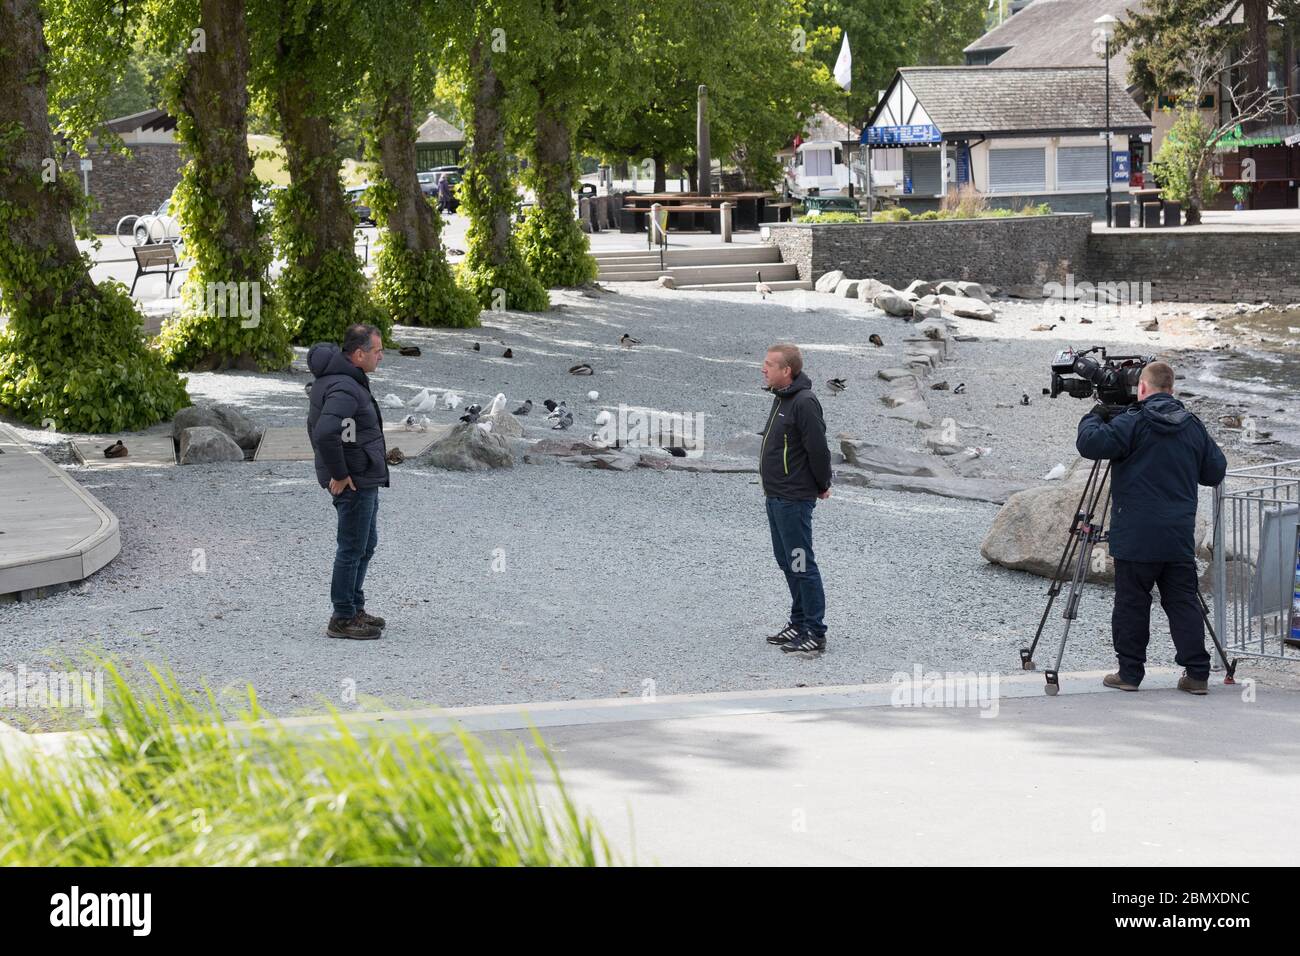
(504, 423)
(829, 281)
(964, 489)
(894, 303)
(847, 288)
(868, 289)
(919, 287)
(973, 290)
(927, 307)
(967, 307)
(469, 448)
(203, 445)
(1031, 531)
(245, 433)
(947, 287)
(891, 461)
(895, 374)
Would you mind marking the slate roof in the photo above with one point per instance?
(1026, 101)
(1056, 33)
(435, 129)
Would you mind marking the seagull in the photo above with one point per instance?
(761, 287)
(451, 399)
(508, 353)
(419, 399)
(392, 401)
(498, 405)
(582, 368)
(627, 341)
(603, 418)
(525, 408)
(961, 387)
(837, 385)
(430, 404)
(411, 424)
(472, 413)
(550, 404)
(876, 340)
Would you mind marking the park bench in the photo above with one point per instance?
(158, 258)
(777, 211)
(830, 204)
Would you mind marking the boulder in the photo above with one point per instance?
(947, 287)
(203, 445)
(906, 391)
(667, 282)
(927, 307)
(890, 461)
(847, 288)
(894, 374)
(965, 489)
(245, 433)
(1031, 531)
(919, 287)
(616, 462)
(894, 303)
(565, 446)
(503, 423)
(973, 290)
(742, 445)
(868, 289)
(967, 307)
(829, 281)
(469, 448)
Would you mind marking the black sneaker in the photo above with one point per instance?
(806, 644)
(787, 633)
(351, 628)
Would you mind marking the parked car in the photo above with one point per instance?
(359, 206)
(429, 182)
(153, 227)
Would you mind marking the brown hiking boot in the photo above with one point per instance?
(370, 619)
(1193, 686)
(352, 628)
(1114, 680)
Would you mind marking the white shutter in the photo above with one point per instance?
(1017, 170)
(924, 168)
(1081, 167)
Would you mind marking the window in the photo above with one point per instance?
(817, 162)
(1081, 167)
(1017, 170)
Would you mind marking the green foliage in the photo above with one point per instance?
(557, 251)
(167, 783)
(897, 214)
(1240, 192)
(930, 215)
(900, 214)
(821, 218)
(1184, 160)
(84, 366)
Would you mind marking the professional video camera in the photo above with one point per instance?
(1112, 379)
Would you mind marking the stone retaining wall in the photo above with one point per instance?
(130, 185)
(1235, 266)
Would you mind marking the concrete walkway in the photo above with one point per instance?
(52, 530)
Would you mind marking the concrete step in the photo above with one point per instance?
(701, 274)
(780, 285)
(704, 255)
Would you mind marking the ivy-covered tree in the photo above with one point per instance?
(72, 354)
(228, 317)
(494, 269)
(306, 62)
(414, 283)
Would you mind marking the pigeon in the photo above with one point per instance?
(508, 353)
(627, 341)
(837, 385)
(472, 413)
(419, 399)
(498, 405)
(961, 387)
(116, 450)
(564, 419)
(761, 287)
(676, 451)
(940, 386)
(525, 408)
(412, 424)
(411, 351)
(559, 411)
(876, 340)
(1024, 398)
(451, 399)
(582, 368)
(307, 388)
(475, 347)
(392, 401)
(550, 404)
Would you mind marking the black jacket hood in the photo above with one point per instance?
(1165, 413)
(326, 358)
(801, 381)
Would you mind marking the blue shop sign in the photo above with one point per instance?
(1119, 167)
(901, 135)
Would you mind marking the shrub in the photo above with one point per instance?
(897, 214)
(967, 202)
(829, 217)
(556, 249)
(166, 782)
(930, 215)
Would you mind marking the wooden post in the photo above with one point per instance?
(703, 161)
(725, 216)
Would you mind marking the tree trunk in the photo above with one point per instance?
(488, 150)
(554, 160)
(661, 173)
(40, 221)
(411, 217)
(1255, 13)
(692, 180)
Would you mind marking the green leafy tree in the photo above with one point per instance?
(72, 354)
(413, 282)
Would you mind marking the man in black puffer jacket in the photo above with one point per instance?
(795, 470)
(347, 437)
(1160, 453)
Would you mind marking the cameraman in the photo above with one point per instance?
(1160, 452)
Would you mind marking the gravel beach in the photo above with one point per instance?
(550, 582)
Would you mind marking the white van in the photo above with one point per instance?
(818, 169)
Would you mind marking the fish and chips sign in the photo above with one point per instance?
(902, 135)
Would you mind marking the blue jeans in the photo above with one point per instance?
(358, 514)
(791, 526)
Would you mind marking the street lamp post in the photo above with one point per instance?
(1105, 25)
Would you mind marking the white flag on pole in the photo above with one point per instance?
(844, 64)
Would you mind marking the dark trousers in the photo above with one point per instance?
(358, 514)
(791, 526)
(1131, 620)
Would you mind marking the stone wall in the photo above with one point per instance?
(1009, 253)
(1191, 266)
(130, 185)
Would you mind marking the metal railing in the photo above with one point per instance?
(1256, 561)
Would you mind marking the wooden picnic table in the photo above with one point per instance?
(747, 210)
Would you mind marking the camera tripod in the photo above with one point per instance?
(1086, 531)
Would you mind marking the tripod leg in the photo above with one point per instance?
(1231, 676)
(1077, 583)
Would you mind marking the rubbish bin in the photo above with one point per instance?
(1151, 215)
(1173, 214)
(1121, 215)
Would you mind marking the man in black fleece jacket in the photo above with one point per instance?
(795, 470)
